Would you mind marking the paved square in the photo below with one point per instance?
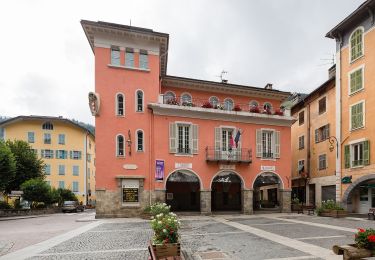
(271, 236)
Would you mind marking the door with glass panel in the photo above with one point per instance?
(227, 151)
(364, 199)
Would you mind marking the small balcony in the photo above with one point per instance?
(231, 156)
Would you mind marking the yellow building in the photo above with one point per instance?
(313, 156)
(355, 99)
(67, 149)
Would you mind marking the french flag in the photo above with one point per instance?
(237, 138)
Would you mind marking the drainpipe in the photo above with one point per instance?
(338, 118)
(85, 182)
(308, 165)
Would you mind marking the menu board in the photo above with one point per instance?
(130, 194)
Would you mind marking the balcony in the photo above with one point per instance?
(234, 156)
(202, 109)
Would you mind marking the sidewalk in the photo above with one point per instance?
(24, 217)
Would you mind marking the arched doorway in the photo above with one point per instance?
(183, 191)
(226, 192)
(266, 191)
(359, 197)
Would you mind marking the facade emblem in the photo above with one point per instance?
(94, 103)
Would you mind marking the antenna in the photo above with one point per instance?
(130, 22)
(329, 61)
(221, 76)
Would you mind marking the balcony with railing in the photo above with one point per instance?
(235, 155)
(221, 106)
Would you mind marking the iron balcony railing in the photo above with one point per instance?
(237, 107)
(234, 155)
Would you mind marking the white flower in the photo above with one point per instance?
(164, 230)
(159, 222)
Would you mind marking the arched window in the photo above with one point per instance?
(120, 105)
(139, 100)
(267, 106)
(169, 97)
(140, 141)
(356, 44)
(228, 104)
(47, 126)
(186, 99)
(214, 101)
(254, 104)
(120, 146)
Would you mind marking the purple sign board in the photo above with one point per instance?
(159, 172)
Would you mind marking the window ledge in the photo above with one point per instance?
(128, 206)
(120, 156)
(356, 92)
(268, 159)
(356, 59)
(356, 167)
(128, 68)
(183, 155)
(355, 129)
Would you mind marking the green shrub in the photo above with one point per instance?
(4, 205)
(159, 208)
(327, 206)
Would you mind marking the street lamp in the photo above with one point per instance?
(332, 140)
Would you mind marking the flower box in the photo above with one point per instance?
(339, 213)
(166, 250)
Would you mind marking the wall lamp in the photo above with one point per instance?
(129, 142)
(332, 140)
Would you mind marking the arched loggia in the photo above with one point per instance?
(266, 188)
(226, 190)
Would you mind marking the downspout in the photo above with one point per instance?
(85, 180)
(308, 165)
(338, 118)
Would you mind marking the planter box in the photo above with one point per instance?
(297, 208)
(351, 252)
(339, 213)
(166, 250)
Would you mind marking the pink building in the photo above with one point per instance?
(197, 145)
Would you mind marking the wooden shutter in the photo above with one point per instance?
(259, 142)
(172, 138)
(277, 144)
(217, 138)
(366, 152)
(195, 138)
(316, 135)
(71, 154)
(347, 156)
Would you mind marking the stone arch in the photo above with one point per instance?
(262, 172)
(231, 171)
(354, 184)
(183, 170)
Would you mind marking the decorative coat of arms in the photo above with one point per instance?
(94, 103)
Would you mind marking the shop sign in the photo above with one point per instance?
(267, 168)
(130, 191)
(130, 166)
(346, 179)
(184, 165)
(227, 167)
(159, 170)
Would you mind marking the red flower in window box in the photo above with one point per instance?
(278, 112)
(207, 105)
(254, 109)
(237, 108)
(371, 238)
(267, 111)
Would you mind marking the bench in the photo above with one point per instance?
(371, 212)
(310, 209)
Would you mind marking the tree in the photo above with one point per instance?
(7, 166)
(36, 190)
(28, 166)
(66, 195)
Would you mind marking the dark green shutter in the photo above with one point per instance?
(347, 156)
(366, 152)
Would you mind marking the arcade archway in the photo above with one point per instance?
(183, 191)
(267, 191)
(226, 192)
(359, 197)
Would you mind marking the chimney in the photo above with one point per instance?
(268, 86)
(332, 71)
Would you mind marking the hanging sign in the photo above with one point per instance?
(268, 168)
(183, 165)
(159, 170)
(346, 179)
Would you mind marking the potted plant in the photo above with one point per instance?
(267, 111)
(165, 241)
(364, 245)
(296, 205)
(330, 208)
(172, 101)
(279, 112)
(187, 104)
(237, 108)
(207, 105)
(254, 109)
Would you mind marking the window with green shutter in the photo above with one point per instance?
(356, 81)
(366, 153)
(347, 156)
(356, 44)
(356, 114)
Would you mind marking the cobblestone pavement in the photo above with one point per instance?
(271, 236)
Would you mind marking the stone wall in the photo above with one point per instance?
(205, 202)
(285, 200)
(247, 201)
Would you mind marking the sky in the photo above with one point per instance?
(47, 66)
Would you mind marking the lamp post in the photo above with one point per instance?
(332, 140)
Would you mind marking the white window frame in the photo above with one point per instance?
(44, 138)
(352, 153)
(265, 103)
(75, 182)
(325, 96)
(28, 137)
(217, 99)
(47, 165)
(183, 94)
(319, 162)
(364, 115)
(143, 53)
(115, 48)
(225, 102)
(117, 150)
(298, 164)
(301, 148)
(251, 103)
(62, 166)
(129, 52)
(184, 124)
(75, 167)
(136, 101)
(143, 141)
(116, 104)
(272, 144)
(350, 44)
(61, 186)
(363, 79)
